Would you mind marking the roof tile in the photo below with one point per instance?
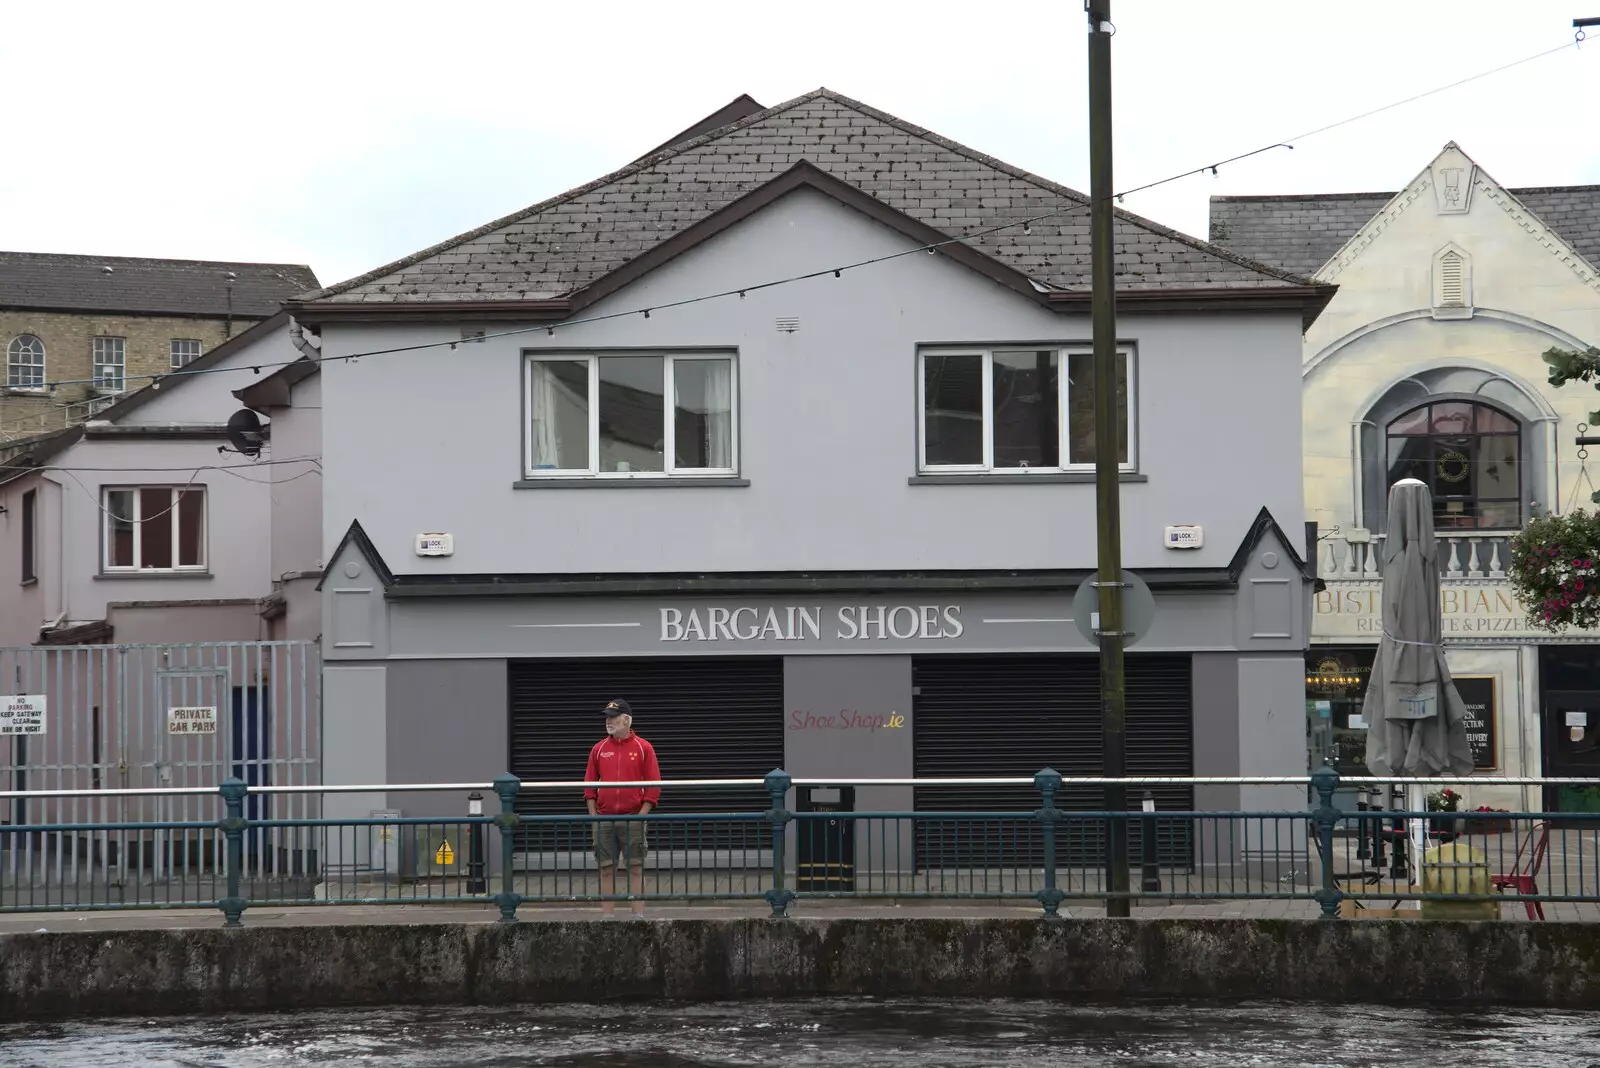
(1302, 233)
(566, 243)
(51, 281)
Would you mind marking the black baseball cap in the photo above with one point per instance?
(618, 707)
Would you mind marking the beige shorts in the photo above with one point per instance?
(619, 840)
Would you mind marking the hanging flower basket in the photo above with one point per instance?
(1554, 562)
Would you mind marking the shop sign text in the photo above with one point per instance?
(795, 623)
(1466, 611)
(846, 720)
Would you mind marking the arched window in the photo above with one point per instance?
(25, 363)
(1469, 455)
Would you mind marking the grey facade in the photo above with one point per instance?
(824, 542)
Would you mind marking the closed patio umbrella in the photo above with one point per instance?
(1416, 721)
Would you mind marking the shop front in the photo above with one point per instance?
(1569, 699)
(1533, 698)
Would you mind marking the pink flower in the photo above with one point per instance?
(1549, 615)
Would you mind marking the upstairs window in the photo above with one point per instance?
(1470, 457)
(25, 363)
(110, 363)
(155, 528)
(1016, 410)
(630, 415)
(183, 351)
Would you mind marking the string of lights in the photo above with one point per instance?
(1082, 205)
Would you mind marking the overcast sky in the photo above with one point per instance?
(347, 134)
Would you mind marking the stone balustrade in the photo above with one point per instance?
(1466, 554)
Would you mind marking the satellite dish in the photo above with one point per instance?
(244, 431)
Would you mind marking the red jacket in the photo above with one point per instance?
(631, 760)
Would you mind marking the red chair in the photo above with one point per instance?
(1523, 881)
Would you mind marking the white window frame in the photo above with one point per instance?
(173, 353)
(13, 364)
(669, 397)
(1063, 424)
(101, 352)
(176, 492)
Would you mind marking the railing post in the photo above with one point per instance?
(1048, 783)
(1325, 781)
(233, 825)
(778, 815)
(507, 821)
(476, 883)
(1150, 876)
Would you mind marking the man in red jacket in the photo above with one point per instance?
(621, 756)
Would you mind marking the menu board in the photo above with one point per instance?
(1477, 693)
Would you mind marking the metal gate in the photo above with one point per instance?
(101, 717)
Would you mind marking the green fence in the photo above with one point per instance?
(1337, 862)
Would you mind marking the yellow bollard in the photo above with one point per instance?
(1458, 868)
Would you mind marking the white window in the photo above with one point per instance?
(25, 363)
(1015, 410)
(155, 528)
(630, 415)
(184, 351)
(110, 363)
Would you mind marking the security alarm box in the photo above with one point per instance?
(1184, 537)
(435, 544)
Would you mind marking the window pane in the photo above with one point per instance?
(1451, 417)
(184, 351)
(702, 413)
(1027, 408)
(155, 528)
(952, 410)
(1497, 475)
(1491, 421)
(632, 413)
(109, 362)
(1499, 515)
(25, 362)
(1413, 422)
(559, 420)
(119, 528)
(1410, 458)
(191, 528)
(1080, 408)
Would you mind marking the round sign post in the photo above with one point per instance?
(1138, 609)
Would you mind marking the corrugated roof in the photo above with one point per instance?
(1301, 233)
(561, 245)
(52, 281)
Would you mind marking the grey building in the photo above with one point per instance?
(833, 524)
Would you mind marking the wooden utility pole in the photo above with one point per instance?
(1107, 445)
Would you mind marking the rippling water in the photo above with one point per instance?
(829, 1034)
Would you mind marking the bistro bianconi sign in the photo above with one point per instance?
(1466, 611)
(798, 623)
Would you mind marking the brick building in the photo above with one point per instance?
(77, 330)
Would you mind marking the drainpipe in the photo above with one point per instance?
(307, 344)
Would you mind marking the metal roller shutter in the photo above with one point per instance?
(1011, 715)
(708, 718)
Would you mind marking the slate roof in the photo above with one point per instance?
(559, 246)
(45, 281)
(1301, 233)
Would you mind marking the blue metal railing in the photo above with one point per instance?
(1333, 862)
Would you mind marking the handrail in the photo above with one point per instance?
(667, 784)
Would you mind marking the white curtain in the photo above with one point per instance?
(546, 441)
(719, 413)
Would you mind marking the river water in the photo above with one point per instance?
(854, 1033)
